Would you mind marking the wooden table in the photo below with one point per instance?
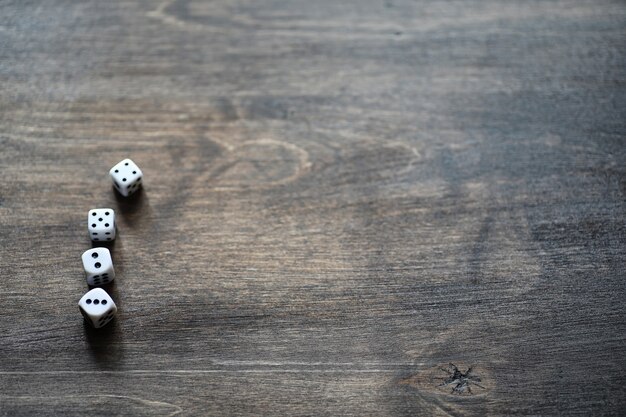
(363, 208)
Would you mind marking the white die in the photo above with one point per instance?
(101, 224)
(97, 307)
(126, 177)
(98, 266)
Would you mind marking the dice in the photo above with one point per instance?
(126, 177)
(101, 224)
(98, 266)
(97, 307)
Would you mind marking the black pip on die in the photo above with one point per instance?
(101, 224)
(126, 177)
(98, 266)
(97, 307)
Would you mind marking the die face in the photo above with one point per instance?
(98, 280)
(126, 177)
(97, 307)
(101, 224)
(98, 266)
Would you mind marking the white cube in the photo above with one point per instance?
(101, 224)
(97, 307)
(98, 266)
(126, 177)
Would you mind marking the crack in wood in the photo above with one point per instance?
(461, 381)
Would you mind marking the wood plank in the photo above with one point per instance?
(350, 208)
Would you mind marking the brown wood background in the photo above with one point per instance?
(341, 199)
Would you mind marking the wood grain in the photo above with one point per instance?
(347, 206)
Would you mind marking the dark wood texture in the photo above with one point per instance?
(347, 205)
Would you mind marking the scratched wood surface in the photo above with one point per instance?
(385, 208)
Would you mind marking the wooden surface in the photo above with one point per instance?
(347, 206)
